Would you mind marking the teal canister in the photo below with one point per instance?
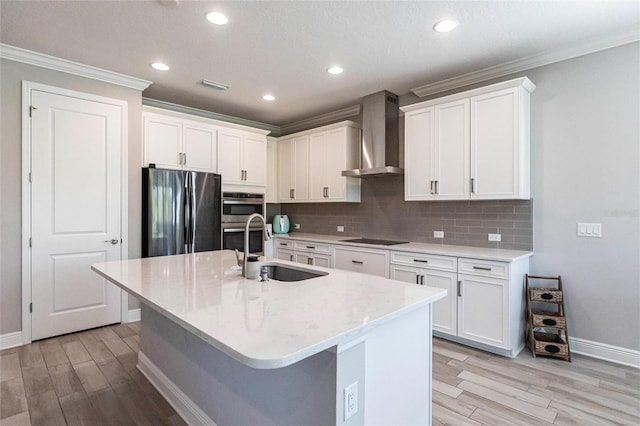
(281, 224)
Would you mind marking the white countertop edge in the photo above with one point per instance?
(500, 255)
(273, 363)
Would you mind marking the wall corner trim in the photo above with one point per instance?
(629, 35)
(184, 406)
(25, 56)
(605, 352)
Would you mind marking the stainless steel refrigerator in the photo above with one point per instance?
(181, 212)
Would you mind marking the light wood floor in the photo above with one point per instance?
(90, 378)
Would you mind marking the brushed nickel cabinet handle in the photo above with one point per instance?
(422, 278)
(459, 288)
(437, 185)
(480, 268)
(473, 185)
(421, 260)
(431, 187)
(357, 262)
(417, 279)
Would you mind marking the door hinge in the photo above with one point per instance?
(31, 307)
(31, 108)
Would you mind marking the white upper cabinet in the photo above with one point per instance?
(242, 157)
(272, 170)
(471, 145)
(177, 143)
(293, 163)
(318, 157)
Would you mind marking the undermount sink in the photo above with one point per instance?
(281, 272)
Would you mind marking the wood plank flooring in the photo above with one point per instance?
(90, 378)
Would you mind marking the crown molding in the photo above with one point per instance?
(275, 130)
(527, 63)
(25, 56)
(308, 123)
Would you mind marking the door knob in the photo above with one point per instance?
(113, 241)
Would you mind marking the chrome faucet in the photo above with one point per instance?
(265, 236)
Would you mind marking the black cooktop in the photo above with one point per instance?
(372, 241)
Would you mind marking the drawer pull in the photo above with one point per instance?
(284, 244)
(546, 296)
(357, 262)
(311, 247)
(549, 321)
(481, 268)
(552, 349)
(421, 260)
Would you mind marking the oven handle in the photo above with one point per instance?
(253, 202)
(240, 229)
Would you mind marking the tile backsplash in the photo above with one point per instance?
(384, 214)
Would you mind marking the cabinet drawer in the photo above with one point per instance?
(374, 262)
(483, 268)
(443, 263)
(286, 244)
(312, 247)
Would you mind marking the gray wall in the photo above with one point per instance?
(11, 75)
(585, 162)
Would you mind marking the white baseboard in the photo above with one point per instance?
(134, 315)
(10, 340)
(605, 352)
(184, 406)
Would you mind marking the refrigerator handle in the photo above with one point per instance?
(192, 221)
(187, 212)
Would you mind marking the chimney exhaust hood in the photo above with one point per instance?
(380, 142)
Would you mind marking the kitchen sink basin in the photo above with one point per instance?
(281, 272)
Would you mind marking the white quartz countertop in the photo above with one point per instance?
(264, 325)
(500, 255)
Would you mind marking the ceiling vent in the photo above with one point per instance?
(214, 84)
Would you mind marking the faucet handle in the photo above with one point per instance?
(238, 260)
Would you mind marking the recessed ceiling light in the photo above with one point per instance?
(335, 70)
(160, 66)
(269, 98)
(216, 18)
(445, 26)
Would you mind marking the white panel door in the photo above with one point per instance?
(451, 153)
(254, 158)
(336, 147)
(199, 145)
(230, 157)
(301, 168)
(418, 155)
(286, 182)
(162, 141)
(272, 171)
(483, 309)
(76, 148)
(318, 158)
(494, 145)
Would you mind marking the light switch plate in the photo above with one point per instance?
(296, 226)
(438, 234)
(590, 230)
(340, 228)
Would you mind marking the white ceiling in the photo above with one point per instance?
(284, 48)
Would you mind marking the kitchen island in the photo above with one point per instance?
(228, 350)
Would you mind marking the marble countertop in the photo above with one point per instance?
(500, 255)
(264, 325)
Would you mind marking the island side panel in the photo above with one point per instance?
(230, 393)
(398, 371)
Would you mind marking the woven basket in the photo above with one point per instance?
(548, 319)
(545, 295)
(550, 344)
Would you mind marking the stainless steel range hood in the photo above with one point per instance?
(380, 144)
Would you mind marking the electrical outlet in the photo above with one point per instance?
(340, 228)
(296, 226)
(495, 237)
(350, 400)
(590, 230)
(438, 234)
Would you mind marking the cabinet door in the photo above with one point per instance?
(285, 170)
(230, 156)
(451, 151)
(162, 142)
(323, 260)
(300, 168)
(304, 257)
(444, 310)
(272, 171)
(318, 158)
(336, 162)
(254, 156)
(284, 254)
(494, 145)
(373, 262)
(199, 147)
(483, 310)
(418, 155)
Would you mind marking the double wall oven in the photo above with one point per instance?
(236, 209)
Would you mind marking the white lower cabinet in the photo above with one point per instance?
(366, 261)
(484, 304)
(432, 271)
(306, 252)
